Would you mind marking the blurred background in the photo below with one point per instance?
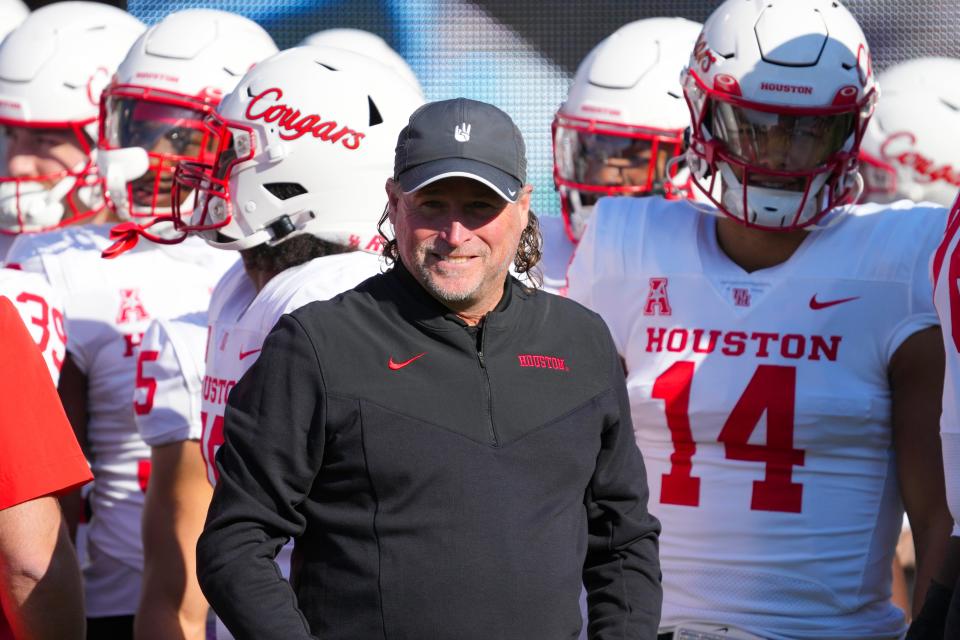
(521, 55)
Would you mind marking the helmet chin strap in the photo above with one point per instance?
(272, 233)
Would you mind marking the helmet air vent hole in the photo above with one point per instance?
(950, 105)
(323, 64)
(285, 190)
(375, 117)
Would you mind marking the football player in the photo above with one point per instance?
(52, 70)
(295, 186)
(909, 151)
(620, 130)
(910, 148)
(946, 296)
(160, 98)
(152, 117)
(782, 352)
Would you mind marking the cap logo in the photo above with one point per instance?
(462, 132)
(293, 124)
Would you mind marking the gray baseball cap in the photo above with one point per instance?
(461, 138)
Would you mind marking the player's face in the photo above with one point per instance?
(41, 153)
(780, 143)
(458, 238)
(167, 132)
(631, 169)
(173, 142)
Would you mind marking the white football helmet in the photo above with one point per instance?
(780, 93)
(53, 68)
(306, 141)
(152, 113)
(623, 119)
(910, 148)
(367, 44)
(12, 13)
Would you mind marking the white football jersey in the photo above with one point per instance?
(240, 319)
(557, 253)
(41, 308)
(166, 402)
(761, 404)
(108, 306)
(946, 296)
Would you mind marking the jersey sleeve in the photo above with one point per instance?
(580, 273)
(921, 313)
(166, 399)
(595, 278)
(39, 454)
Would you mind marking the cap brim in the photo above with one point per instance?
(505, 185)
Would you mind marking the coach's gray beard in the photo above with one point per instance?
(426, 277)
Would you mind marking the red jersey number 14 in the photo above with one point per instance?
(772, 389)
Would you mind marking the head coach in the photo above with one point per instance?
(451, 450)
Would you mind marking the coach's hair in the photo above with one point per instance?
(529, 251)
(289, 253)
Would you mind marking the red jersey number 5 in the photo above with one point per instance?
(145, 383)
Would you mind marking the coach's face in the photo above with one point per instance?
(458, 238)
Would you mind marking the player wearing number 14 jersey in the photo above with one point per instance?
(780, 346)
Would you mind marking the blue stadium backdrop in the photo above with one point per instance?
(521, 54)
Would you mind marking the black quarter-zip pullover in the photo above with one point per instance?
(441, 483)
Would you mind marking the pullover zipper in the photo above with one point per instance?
(486, 379)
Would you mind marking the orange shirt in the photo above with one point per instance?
(39, 454)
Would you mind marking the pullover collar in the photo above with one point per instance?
(423, 309)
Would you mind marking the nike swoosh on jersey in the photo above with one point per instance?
(400, 365)
(816, 304)
(244, 354)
